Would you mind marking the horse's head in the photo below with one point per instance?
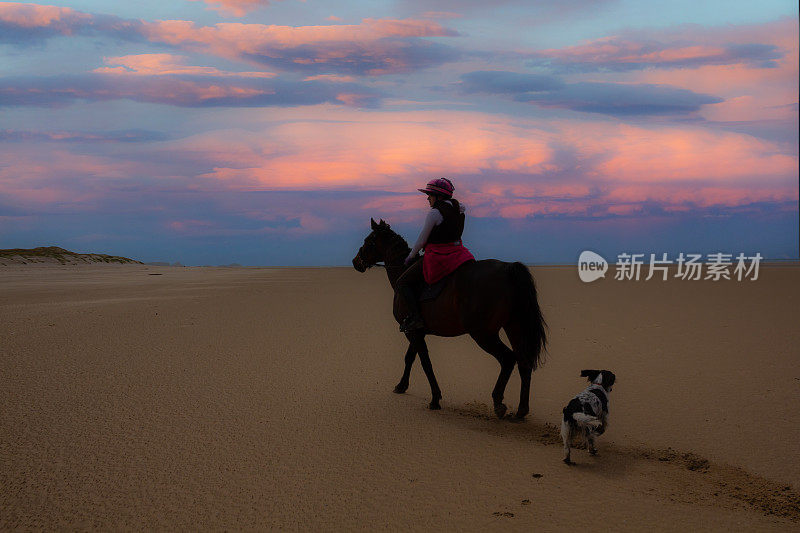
(377, 246)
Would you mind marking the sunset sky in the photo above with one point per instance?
(268, 132)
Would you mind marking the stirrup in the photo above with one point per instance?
(412, 323)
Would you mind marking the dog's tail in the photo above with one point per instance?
(587, 421)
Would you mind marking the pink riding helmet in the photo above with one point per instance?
(441, 186)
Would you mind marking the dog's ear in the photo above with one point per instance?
(608, 378)
(591, 375)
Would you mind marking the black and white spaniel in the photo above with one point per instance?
(587, 413)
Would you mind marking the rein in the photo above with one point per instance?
(398, 240)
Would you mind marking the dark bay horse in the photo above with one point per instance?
(479, 299)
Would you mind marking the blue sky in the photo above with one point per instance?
(268, 133)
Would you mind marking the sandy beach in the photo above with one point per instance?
(163, 398)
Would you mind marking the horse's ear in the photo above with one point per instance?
(374, 224)
(590, 374)
(384, 224)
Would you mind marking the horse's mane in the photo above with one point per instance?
(394, 238)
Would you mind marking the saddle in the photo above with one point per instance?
(430, 292)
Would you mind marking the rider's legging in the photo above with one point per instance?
(408, 283)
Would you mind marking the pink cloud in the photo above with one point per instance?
(402, 208)
(277, 220)
(60, 177)
(189, 226)
(530, 190)
(501, 167)
(638, 154)
(63, 19)
(375, 149)
(523, 209)
(626, 200)
(168, 91)
(240, 38)
(166, 64)
(376, 46)
(158, 83)
(624, 209)
(442, 15)
(355, 99)
(373, 47)
(681, 195)
(238, 8)
(683, 47)
(751, 91)
(618, 53)
(750, 94)
(335, 78)
(22, 23)
(80, 136)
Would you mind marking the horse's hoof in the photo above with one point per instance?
(400, 389)
(500, 410)
(519, 416)
(434, 406)
(517, 419)
(568, 462)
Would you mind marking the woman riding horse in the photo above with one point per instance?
(480, 298)
(441, 239)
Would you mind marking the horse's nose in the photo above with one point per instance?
(358, 264)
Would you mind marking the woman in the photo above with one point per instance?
(441, 239)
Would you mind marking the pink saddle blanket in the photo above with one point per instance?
(441, 259)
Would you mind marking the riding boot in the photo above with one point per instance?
(414, 319)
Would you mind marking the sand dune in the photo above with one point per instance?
(53, 255)
(262, 398)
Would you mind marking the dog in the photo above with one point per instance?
(587, 413)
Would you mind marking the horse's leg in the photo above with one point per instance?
(418, 340)
(492, 344)
(411, 354)
(524, 390)
(514, 332)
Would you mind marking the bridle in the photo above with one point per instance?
(397, 244)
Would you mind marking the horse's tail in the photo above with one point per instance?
(531, 335)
